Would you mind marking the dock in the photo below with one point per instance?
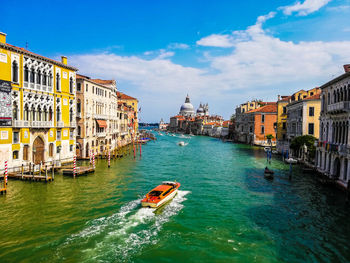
(78, 171)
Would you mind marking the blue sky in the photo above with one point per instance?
(220, 52)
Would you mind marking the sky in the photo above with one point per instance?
(223, 53)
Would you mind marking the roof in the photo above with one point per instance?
(126, 97)
(104, 81)
(162, 187)
(314, 97)
(266, 109)
(343, 76)
(27, 52)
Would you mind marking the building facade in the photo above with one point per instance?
(333, 150)
(97, 121)
(37, 114)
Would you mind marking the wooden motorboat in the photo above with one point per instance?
(160, 195)
(291, 160)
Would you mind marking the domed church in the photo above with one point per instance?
(203, 110)
(187, 108)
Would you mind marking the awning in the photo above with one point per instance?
(102, 123)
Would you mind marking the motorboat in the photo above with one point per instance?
(267, 149)
(161, 194)
(291, 161)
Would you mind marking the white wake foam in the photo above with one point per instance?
(126, 232)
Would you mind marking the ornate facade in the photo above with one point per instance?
(41, 125)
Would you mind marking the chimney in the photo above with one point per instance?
(64, 60)
(2, 38)
(346, 67)
(278, 97)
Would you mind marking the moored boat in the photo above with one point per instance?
(160, 195)
(291, 160)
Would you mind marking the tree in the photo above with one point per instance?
(309, 140)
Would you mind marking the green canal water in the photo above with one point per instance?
(225, 212)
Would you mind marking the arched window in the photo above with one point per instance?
(58, 114)
(33, 113)
(79, 130)
(44, 78)
(93, 143)
(71, 114)
(58, 82)
(78, 106)
(26, 74)
(50, 114)
(39, 113)
(38, 77)
(45, 113)
(328, 98)
(15, 155)
(14, 71)
(49, 80)
(71, 85)
(32, 76)
(15, 111)
(26, 112)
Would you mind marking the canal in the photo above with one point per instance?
(225, 212)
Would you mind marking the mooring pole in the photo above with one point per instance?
(109, 159)
(46, 172)
(74, 165)
(22, 168)
(53, 170)
(5, 176)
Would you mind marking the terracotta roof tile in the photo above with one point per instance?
(266, 108)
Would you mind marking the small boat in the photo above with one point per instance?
(160, 195)
(291, 160)
(181, 143)
(268, 173)
(267, 149)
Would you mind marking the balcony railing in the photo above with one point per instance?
(60, 124)
(20, 123)
(101, 116)
(41, 124)
(342, 106)
(101, 134)
(73, 124)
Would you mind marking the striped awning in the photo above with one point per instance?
(102, 123)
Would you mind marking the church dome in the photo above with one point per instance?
(187, 108)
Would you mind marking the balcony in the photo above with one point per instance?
(41, 124)
(20, 123)
(73, 124)
(101, 134)
(60, 124)
(101, 116)
(344, 150)
(342, 106)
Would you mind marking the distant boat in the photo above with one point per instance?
(181, 143)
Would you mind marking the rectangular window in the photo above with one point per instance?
(93, 89)
(87, 89)
(58, 136)
(262, 118)
(78, 86)
(71, 148)
(25, 152)
(311, 129)
(283, 125)
(15, 137)
(284, 110)
(262, 129)
(311, 111)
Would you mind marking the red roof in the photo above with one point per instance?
(267, 108)
(313, 97)
(104, 81)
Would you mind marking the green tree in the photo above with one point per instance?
(309, 140)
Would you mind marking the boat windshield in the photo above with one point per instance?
(155, 193)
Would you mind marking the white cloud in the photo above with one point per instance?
(259, 66)
(305, 8)
(178, 46)
(216, 40)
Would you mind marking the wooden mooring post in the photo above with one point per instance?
(46, 172)
(53, 170)
(22, 171)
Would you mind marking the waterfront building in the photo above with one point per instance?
(297, 115)
(333, 150)
(261, 122)
(37, 110)
(97, 122)
(132, 104)
(162, 125)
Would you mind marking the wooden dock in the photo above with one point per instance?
(78, 171)
(30, 177)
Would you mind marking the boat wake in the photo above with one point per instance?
(125, 233)
(182, 143)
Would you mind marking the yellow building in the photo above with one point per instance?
(37, 115)
(132, 103)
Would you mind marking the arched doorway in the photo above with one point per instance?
(87, 154)
(38, 150)
(336, 169)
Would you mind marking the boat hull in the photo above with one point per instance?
(161, 202)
